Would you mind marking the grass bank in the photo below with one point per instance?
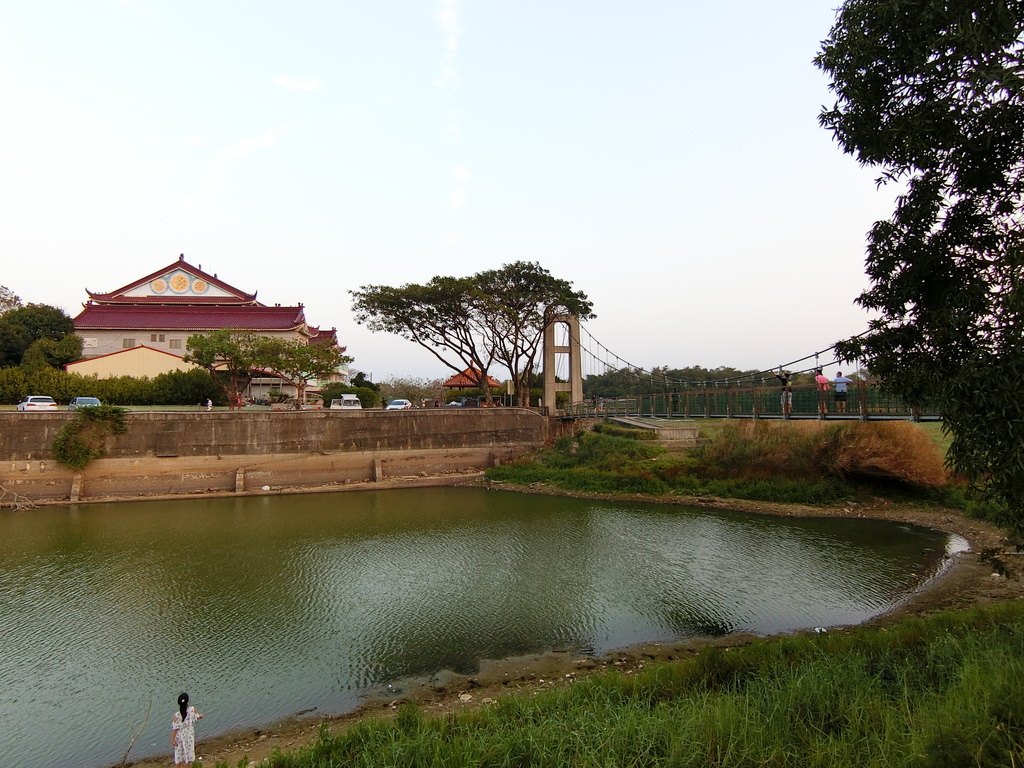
(942, 691)
(786, 462)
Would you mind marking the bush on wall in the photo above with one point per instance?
(84, 439)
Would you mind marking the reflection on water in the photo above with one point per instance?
(264, 606)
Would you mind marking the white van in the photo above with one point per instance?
(346, 403)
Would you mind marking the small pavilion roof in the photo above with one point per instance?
(468, 378)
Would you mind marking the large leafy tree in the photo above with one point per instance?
(471, 322)
(298, 363)
(441, 316)
(517, 303)
(224, 351)
(931, 92)
(21, 327)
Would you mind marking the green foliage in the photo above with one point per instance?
(763, 461)
(409, 388)
(662, 379)
(185, 388)
(942, 691)
(360, 380)
(932, 94)
(368, 398)
(22, 327)
(468, 322)
(615, 430)
(13, 385)
(8, 300)
(80, 441)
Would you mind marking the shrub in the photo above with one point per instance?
(185, 388)
(80, 441)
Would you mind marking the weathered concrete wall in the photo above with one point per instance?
(185, 453)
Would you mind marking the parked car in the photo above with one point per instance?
(453, 404)
(346, 403)
(398, 405)
(38, 403)
(83, 402)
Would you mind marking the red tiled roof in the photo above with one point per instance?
(189, 318)
(468, 378)
(318, 336)
(116, 296)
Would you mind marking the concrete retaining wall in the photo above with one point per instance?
(246, 451)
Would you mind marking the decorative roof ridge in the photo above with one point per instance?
(179, 264)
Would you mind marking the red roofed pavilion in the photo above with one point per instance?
(468, 380)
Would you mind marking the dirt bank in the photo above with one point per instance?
(989, 572)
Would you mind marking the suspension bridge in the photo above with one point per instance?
(572, 356)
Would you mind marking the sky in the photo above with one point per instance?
(663, 156)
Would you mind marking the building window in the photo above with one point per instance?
(156, 337)
(174, 343)
(127, 343)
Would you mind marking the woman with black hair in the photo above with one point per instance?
(183, 732)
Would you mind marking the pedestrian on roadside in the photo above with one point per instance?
(209, 404)
(183, 732)
(841, 382)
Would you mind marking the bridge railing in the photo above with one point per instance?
(864, 400)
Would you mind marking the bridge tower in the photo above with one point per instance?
(575, 384)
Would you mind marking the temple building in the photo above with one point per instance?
(161, 310)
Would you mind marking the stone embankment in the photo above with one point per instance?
(172, 454)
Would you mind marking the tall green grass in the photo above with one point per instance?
(940, 692)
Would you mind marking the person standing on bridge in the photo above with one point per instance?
(841, 381)
(822, 381)
(787, 392)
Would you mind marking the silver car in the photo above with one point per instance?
(83, 402)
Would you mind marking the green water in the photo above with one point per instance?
(261, 607)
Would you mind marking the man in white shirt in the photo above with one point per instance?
(841, 381)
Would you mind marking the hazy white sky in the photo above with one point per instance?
(662, 155)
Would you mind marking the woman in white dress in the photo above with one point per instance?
(183, 732)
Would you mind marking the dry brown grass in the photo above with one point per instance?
(891, 451)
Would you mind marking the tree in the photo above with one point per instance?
(517, 303)
(470, 322)
(22, 326)
(228, 351)
(412, 389)
(8, 300)
(296, 362)
(932, 93)
(441, 316)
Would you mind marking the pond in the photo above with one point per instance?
(260, 607)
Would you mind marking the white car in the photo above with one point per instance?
(37, 403)
(398, 405)
(346, 403)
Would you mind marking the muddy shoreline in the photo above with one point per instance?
(988, 572)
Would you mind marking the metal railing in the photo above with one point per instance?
(864, 401)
